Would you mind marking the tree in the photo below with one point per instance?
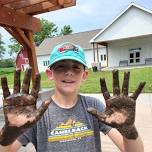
(66, 30)
(2, 49)
(14, 46)
(48, 29)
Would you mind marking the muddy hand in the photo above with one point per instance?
(120, 109)
(20, 107)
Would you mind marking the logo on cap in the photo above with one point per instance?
(67, 47)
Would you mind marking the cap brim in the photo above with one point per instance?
(68, 58)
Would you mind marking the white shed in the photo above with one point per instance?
(128, 38)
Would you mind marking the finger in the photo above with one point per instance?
(42, 109)
(105, 91)
(125, 85)
(17, 81)
(36, 86)
(5, 88)
(94, 112)
(26, 81)
(116, 88)
(138, 90)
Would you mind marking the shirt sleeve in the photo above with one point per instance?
(29, 136)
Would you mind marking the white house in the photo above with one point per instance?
(128, 38)
(82, 39)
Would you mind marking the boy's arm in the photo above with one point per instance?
(124, 144)
(19, 108)
(120, 113)
(14, 147)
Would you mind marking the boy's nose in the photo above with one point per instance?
(69, 71)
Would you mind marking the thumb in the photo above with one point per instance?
(42, 109)
(99, 115)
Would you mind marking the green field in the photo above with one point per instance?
(92, 83)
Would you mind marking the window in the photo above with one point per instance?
(103, 57)
(43, 63)
(134, 55)
(46, 63)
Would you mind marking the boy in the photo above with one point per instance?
(70, 122)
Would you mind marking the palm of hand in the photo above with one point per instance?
(19, 110)
(120, 109)
(120, 112)
(20, 107)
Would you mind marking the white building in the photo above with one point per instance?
(82, 39)
(128, 38)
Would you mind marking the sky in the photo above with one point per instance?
(86, 15)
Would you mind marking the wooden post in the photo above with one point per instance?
(32, 54)
(97, 53)
(107, 53)
(94, 53)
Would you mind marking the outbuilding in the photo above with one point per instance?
(128, 38)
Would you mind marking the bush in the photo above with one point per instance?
(5, 63)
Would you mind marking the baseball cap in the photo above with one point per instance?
(66, 51)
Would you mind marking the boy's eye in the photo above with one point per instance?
(76, 67)
(63, 68)
(59, 67)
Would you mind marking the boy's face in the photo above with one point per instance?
(67, 75)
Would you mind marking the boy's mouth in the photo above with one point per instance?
(68, 81)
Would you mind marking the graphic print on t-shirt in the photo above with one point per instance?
(69, 130)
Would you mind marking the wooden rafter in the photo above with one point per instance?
(46, 6)
(37, 7)
(24, 3)
(25, 38)
(16, 17)
(9, 17)
(32, 53)
(15, 35)
(4, 2)
(22, 36)
(33, 7)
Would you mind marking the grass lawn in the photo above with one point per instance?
(92, 83)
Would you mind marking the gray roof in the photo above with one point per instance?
(81, 39)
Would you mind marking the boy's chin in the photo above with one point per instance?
(69, 91)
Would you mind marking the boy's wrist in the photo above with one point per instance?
(8, 135)
(129, 132)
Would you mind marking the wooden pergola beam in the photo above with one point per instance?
(23, 37)
(47, 6)
(9, 17)
(37, 7)
(24, 3)
(16, 17)
(15, 35)
(32, 53)
(3, 2)
(19, 35)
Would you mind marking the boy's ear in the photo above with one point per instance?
(49, 73)
(85, 75)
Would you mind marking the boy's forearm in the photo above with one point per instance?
(4, 148)
(132, 140)
(14, 147)
(124, 144)
(133, 145)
